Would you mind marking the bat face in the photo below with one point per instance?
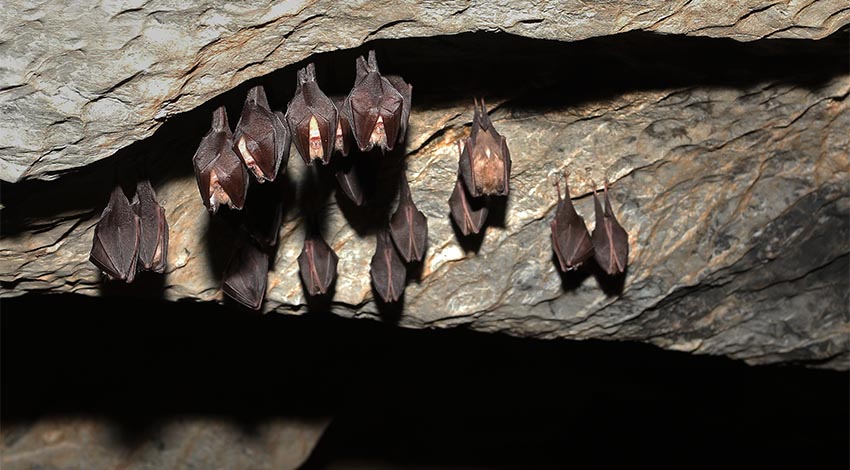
(610, 240)
(409, 226)
(221, 176)
(115, 246)
(342, 142)
(317, 263)
(377, 110)
(485, 161)
(387, 270)
(312, 118)
(153, 236)
(246, 275)
(261, 139)
(570, 238)
(468, 213)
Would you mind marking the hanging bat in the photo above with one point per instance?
(468, 213)
(262, 138)
(115, 246)
(409, 226)
(377, 107)
(342, 144)
(312, 118)
(570, 238)
(246, 274)
(346, 176)
(610, 240)
(222, 178)
(317, 263)
(387, 270)
(153, 235)
(485, 162)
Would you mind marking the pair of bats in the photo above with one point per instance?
(131, 237)
(484, 170)
(609, 243)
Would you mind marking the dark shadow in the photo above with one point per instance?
(319, 304)
(147, 284)
(497, 209)
(220, 240)
(414, 270)
(612, 286)
(390, 312)
(571, 280)
(470, 243)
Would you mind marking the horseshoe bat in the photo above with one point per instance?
(317, 263)
(262, 139)
(570, 238)
(378, 107)
(246, 274)
(409, 226)
(312, 118)
(485, 161)
(115, 246)
(610, 240)
(153, 234)
(342, 144)
(387, 270)
(468, 213)
(221, 176)
(346, 176)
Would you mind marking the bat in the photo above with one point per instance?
(115, 246)
(312, 118)
(610, 240)
(387, 270)
(261, 138)
(468, 213)
(409, 226)
(317, 263)
(342, 144)
(346, 176)
(221, 176)
(246, 274)
(153, 234)
(485, 161)
(570, 238)
(378, 107)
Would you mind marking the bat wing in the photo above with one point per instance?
(153, 235)
(387, 270)
(282, 141)
(342, 143)
(247, 274)
(317, 263)
(465, 166)
(349, 182)
(409, 227)
(256, 136)
(311, 112)
(610, 240)
(570, 239)
(392, 114)
(469, 214)
(221, 176)
(363, 107)
(506, 162)
(115, 246)
(406, 91)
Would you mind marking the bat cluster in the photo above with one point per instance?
(573, 245)
(484, 170)
(131, 237)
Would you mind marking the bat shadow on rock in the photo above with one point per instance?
(469, 243)
(379, 174)
(573, 279)
(147, 284)
(612, 286)
(390, 312)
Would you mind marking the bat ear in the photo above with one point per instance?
(373, 62)
(219, 120)
(257, 95)
(609, 211)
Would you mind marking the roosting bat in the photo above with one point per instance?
(153, 235)
(610, 240)
(262, 137)
(377, 106)
(468, 213)
(317, 263)
(222, 178)
(247, 274)
(387, 269)
(115, 247)
(485, 161)
(342, 144)
(409, 226)
(346, 176)
(312, 118)
(570, 239)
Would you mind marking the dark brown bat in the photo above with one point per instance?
(346, 176)
(246, 274)
(261, 138)
(222, 178)
(388, 272)
(468, 213)
(377, 107)
(485, 161)
(570, 238)
(342, 144)
(610, 240)
(317, 262)
(153, 235)
(115, 247)
(312, 118)
(409, 226)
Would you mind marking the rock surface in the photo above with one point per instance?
(79, 84)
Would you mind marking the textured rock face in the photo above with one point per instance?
(78, 84)
(728, 164)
